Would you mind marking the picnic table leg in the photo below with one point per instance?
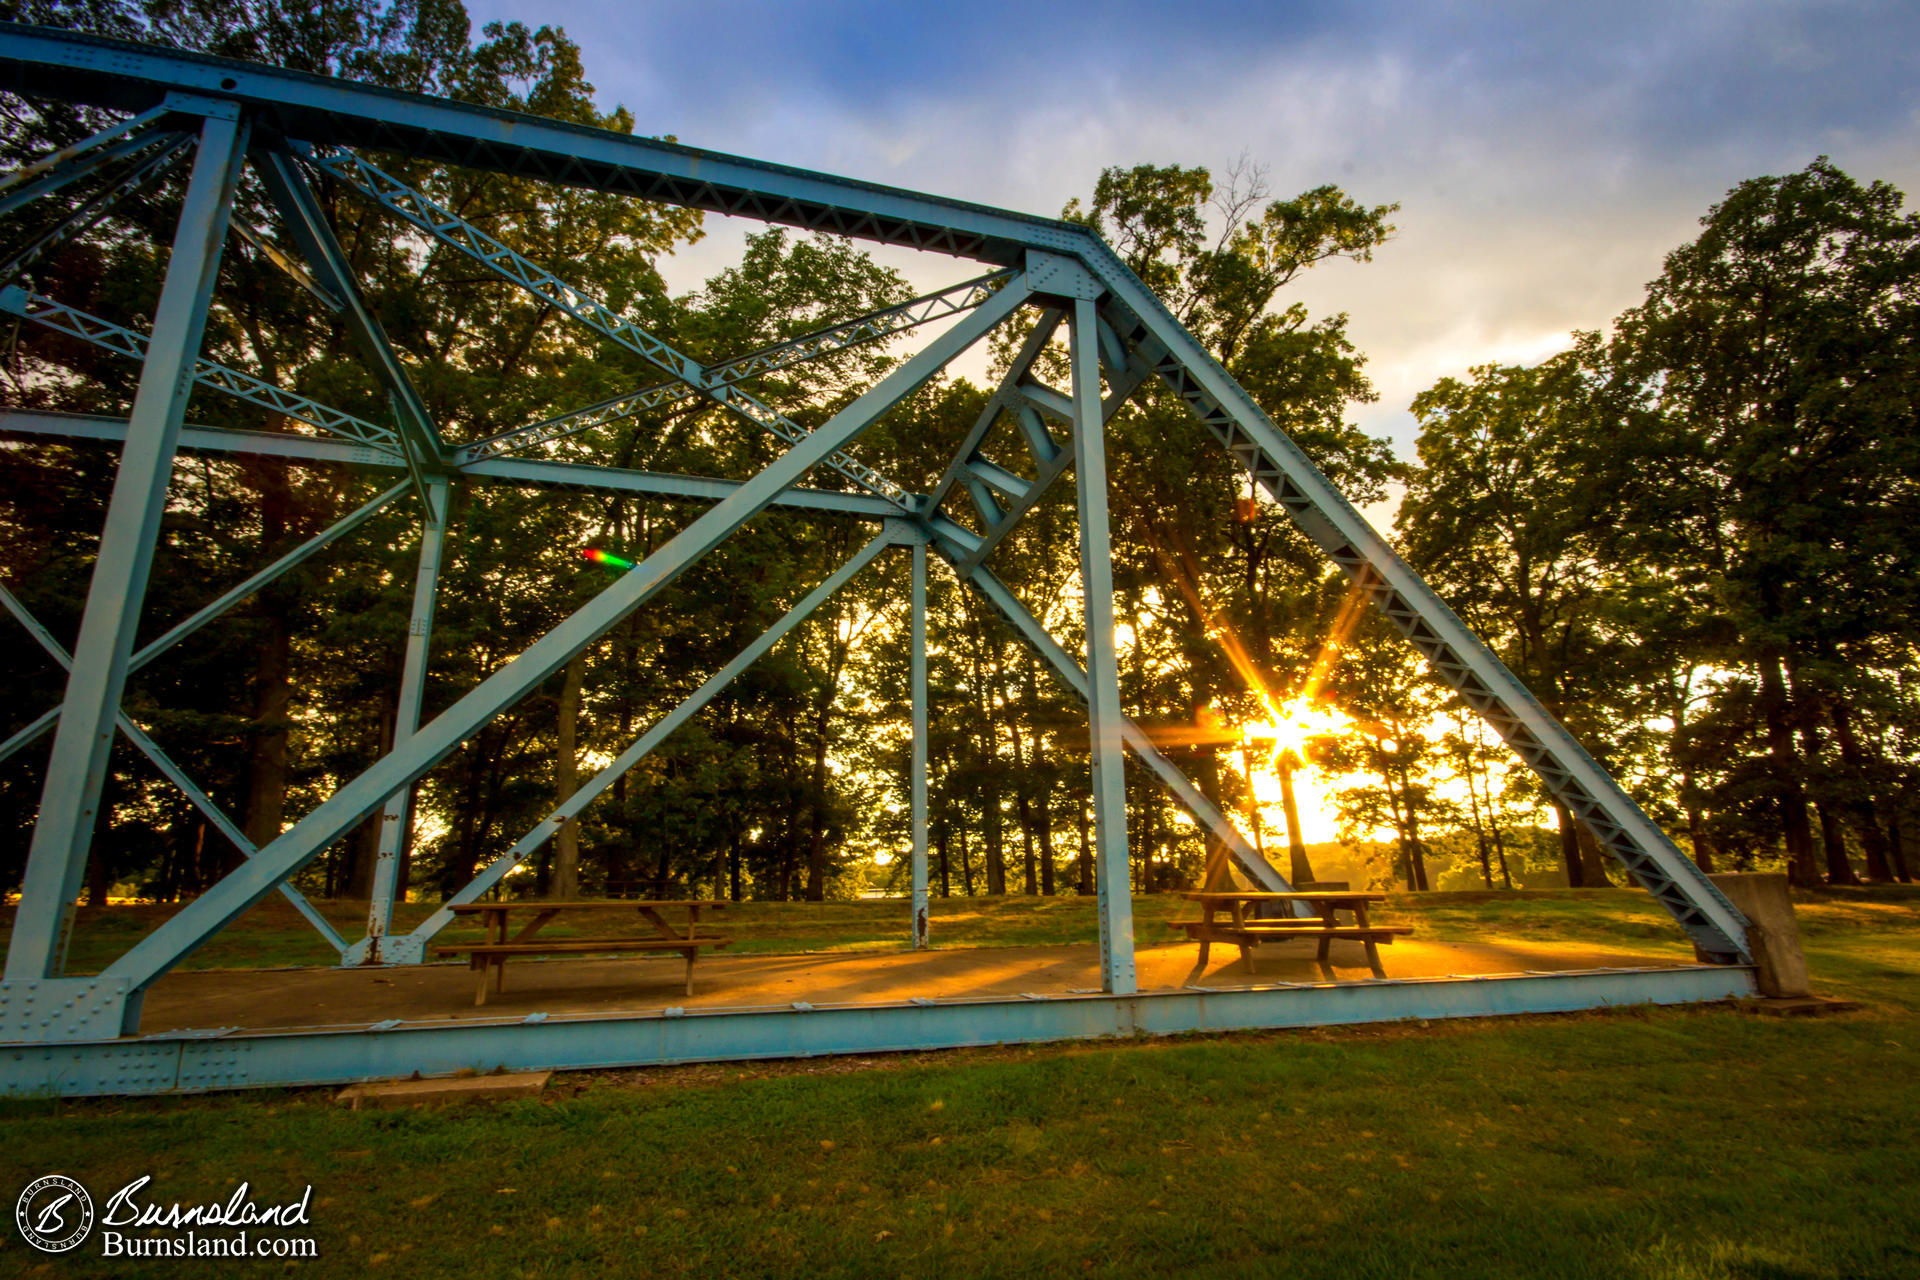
(480, 991)
(690, 953)
(1373, 959)
(1329, 915)
(1246, 956)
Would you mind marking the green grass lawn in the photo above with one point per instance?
(1702, 1143)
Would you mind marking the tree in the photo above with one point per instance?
(1769, 446)
(1497, 518)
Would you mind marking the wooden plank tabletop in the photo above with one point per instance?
(1323, 895)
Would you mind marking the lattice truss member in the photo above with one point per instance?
(200, 120)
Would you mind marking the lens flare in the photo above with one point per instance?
(606, 558)
(1289, 727)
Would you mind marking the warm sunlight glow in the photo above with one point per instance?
(1280, 741)
(1288, 728)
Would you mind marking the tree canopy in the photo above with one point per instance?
(1691, 535)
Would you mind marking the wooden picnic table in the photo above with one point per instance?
(1247, 931)
(493, 951)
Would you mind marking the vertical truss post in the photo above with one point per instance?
(406, 718)
(71, 797)
(1104, 720)
(918, 628)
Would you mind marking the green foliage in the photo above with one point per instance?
(1693, 537)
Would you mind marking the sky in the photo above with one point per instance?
(1545, 157)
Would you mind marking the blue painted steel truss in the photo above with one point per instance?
(71, 1031)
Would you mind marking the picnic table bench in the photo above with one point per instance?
(1247, 931)
(496, 948)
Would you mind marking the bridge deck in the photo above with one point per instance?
(441, 993)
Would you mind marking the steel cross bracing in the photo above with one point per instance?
(63, 168)
(863, 329)
(211, 912)
(218, 377)
(233, 596)
(1116, 327)
(416, 208)
(99, 205)
(173, 773)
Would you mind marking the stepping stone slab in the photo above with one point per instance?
(444, 1091)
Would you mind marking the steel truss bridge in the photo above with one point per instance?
(210, 117)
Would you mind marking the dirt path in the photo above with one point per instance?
(277, 998)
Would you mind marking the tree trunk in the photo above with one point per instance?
(1024, 804)
(1042, 778)
(1569, 846)
(1416, 852)
(1593, 862)
(992, 837)
(1045, 816)
(272, 691)
(364, 849)
(1896, 847)
(946, 872)
(1479, 832)
(817, 817)
(1861, 807)
(1299, 870)
(1206, 768)
(1833, 842)
(267, 731)
(1789, 791)
(566, 841)
(462, 853)
(1085, 885)
(1493, 824)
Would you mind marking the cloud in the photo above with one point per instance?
(1545, 157)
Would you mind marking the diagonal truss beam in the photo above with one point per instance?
(172, 772)
(63, 168)
(645, 745)
(231, 597)
(258, 241)
(1454, 653)
(100, 204)
(873, 327)
(301, 213)
(76, 767)
(214, 910)
(133, 344)
(415, 208)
